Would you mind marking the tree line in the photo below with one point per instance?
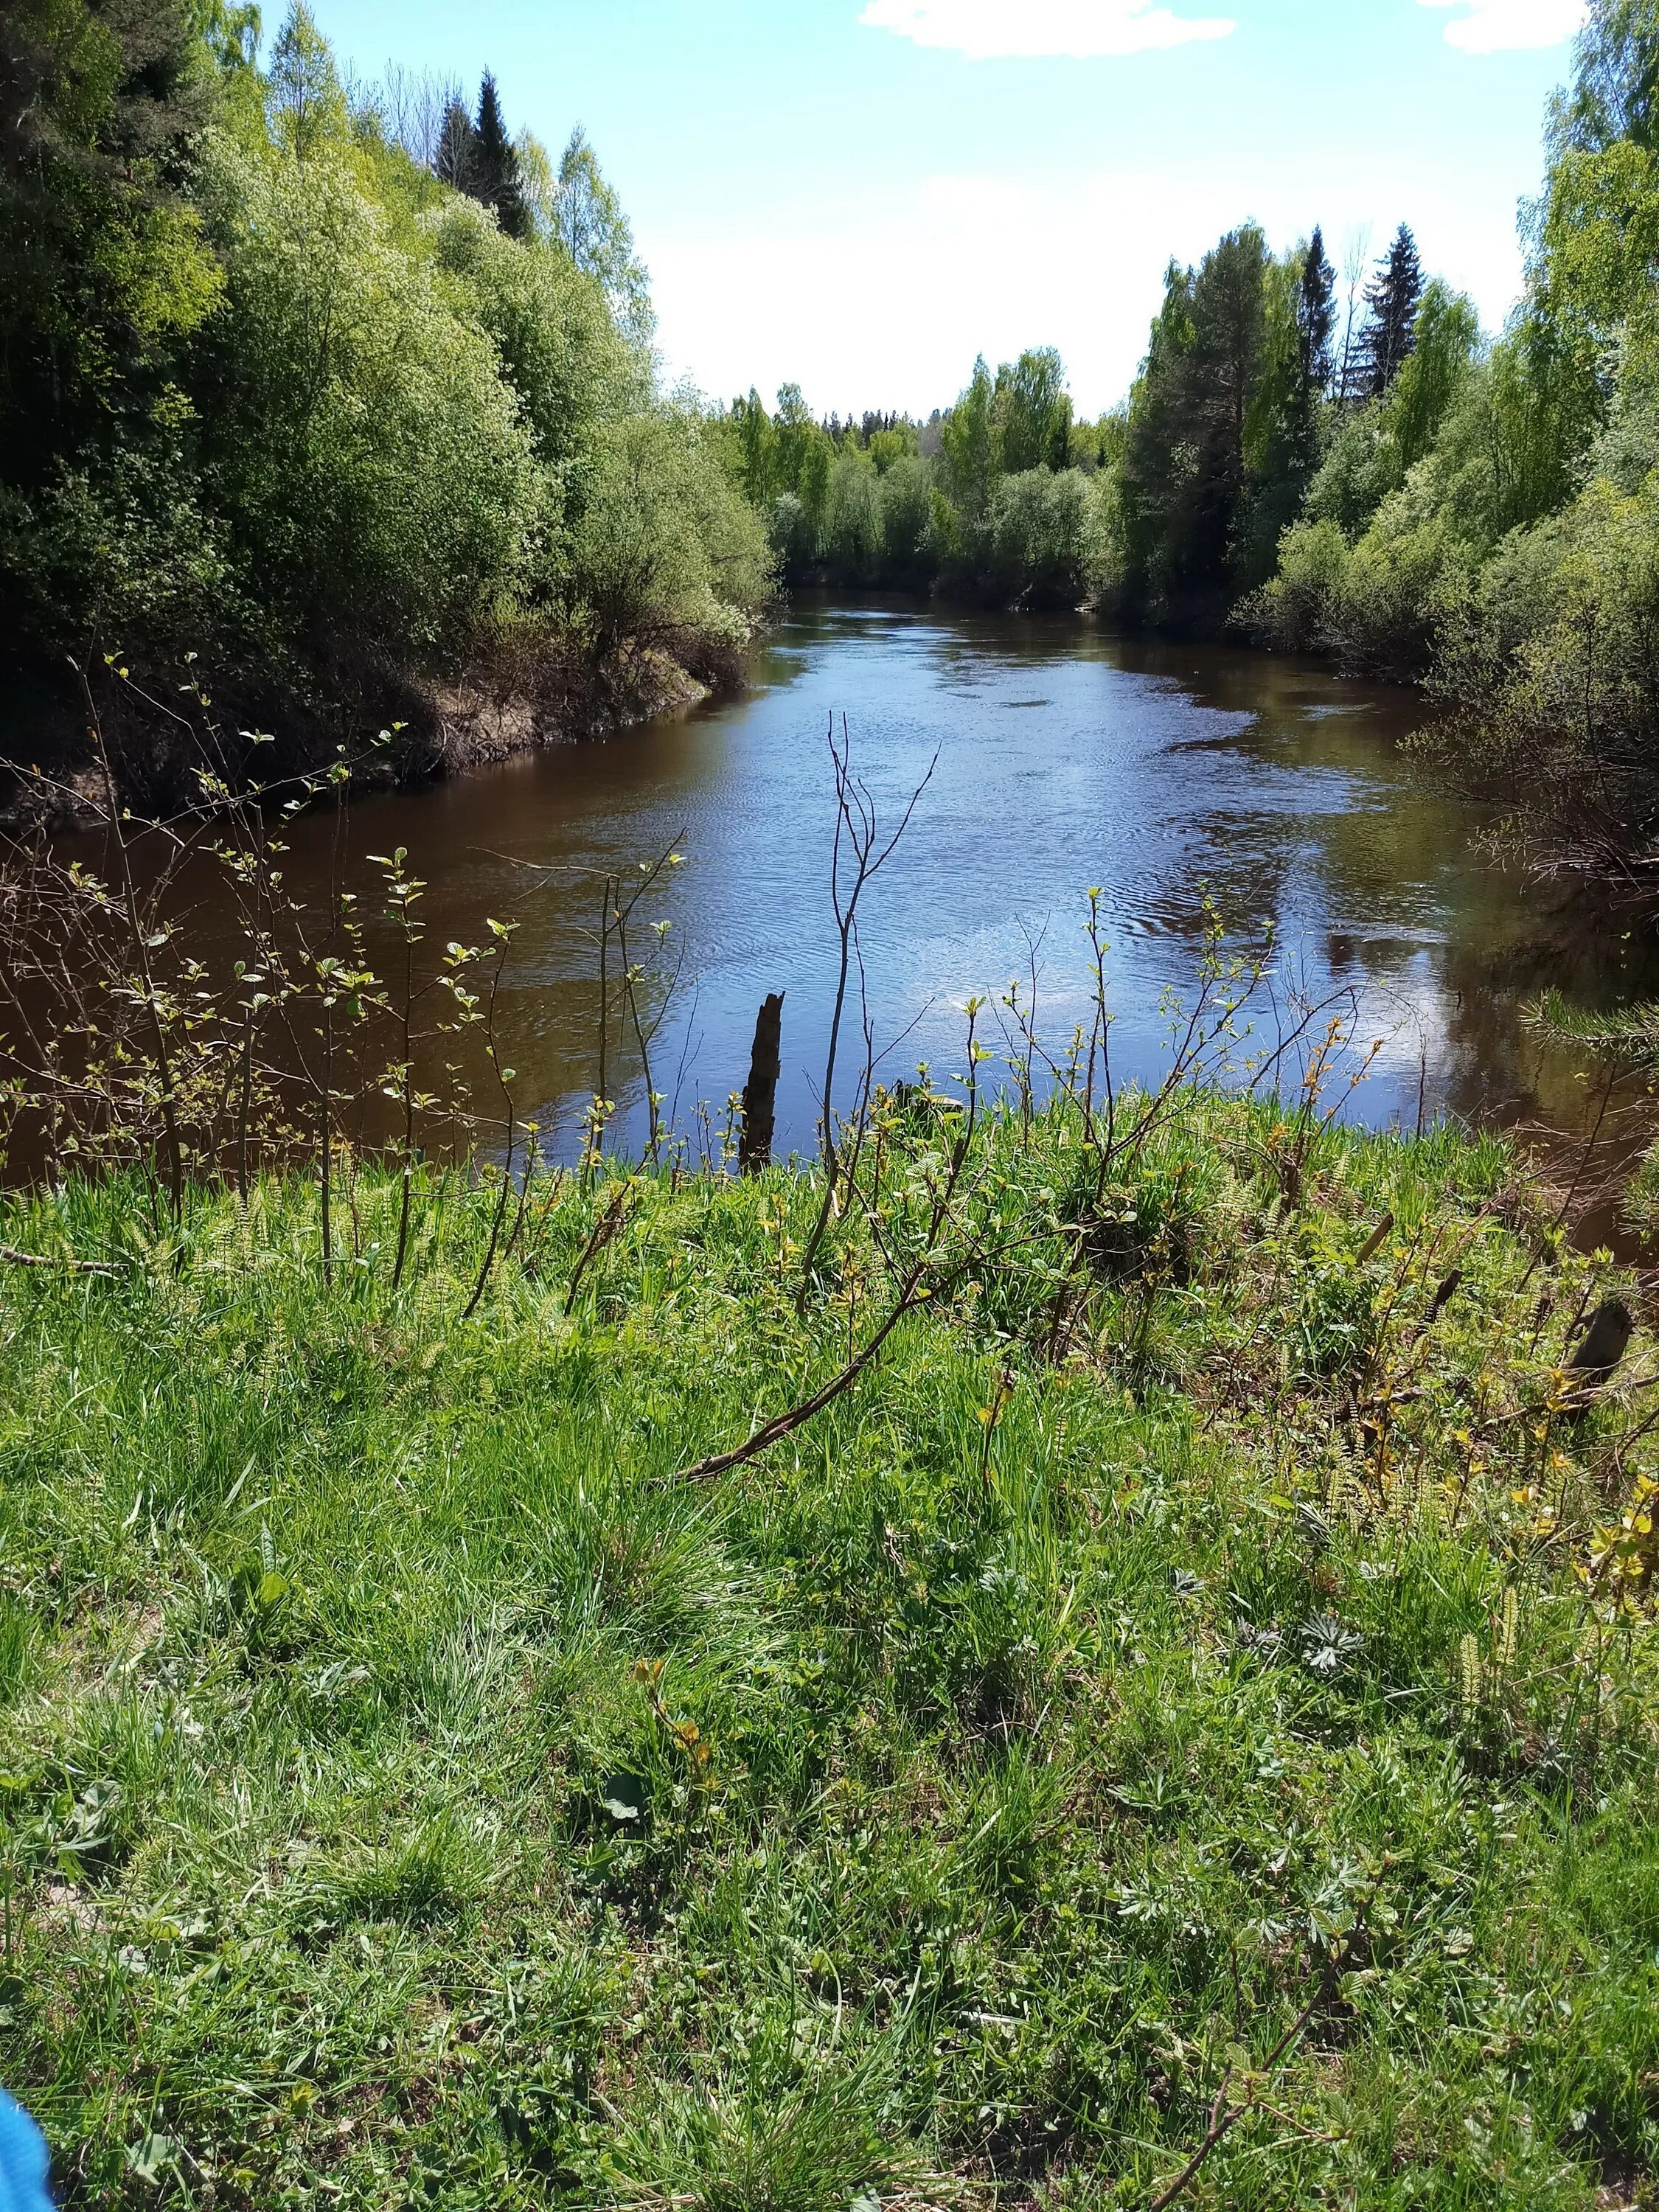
(1341, 464)
(341, 388)
(1164, 511)
(347, 387)
(1489, 525)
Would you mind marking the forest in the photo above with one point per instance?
(335, 387)
(1344, 465)
(352, 395)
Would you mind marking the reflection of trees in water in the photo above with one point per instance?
(1495, 1065)
(1267, 686)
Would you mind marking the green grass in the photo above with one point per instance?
(413, 1794)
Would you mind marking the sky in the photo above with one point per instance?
(860, 196)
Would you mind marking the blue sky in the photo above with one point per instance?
(862, 194)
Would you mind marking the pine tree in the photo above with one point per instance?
(1393, 297)
(496, 181)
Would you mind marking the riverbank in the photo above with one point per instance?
(1193, 1687)
(160, 735)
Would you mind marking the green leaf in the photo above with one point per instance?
(624, 1797)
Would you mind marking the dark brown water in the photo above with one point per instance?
(1066, 759)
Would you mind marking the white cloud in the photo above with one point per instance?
(984, 30)
(1493, 27)
(885, 305)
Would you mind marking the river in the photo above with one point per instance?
(1163, 773)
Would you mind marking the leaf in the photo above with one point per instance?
(150, 2159)
(623, 1797)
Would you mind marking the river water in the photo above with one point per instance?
(1163, 773)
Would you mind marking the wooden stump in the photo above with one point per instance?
(760, 1093)
(1606, 1342)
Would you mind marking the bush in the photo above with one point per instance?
(663, 550)
(1039, 537)
(1551, 669)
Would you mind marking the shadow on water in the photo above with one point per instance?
(1163, 773)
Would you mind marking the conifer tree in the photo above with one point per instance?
(495, 180)
(1315, 318)
(1393, 297)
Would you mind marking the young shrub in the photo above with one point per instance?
(664, 550)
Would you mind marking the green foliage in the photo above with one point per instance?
(1186, 458)
(995, 512)
(588, 221)
(1548, 666)
(566, 363)
(1040, 537)
(104, 272)
(1490, 524)
(407, 1784)
(304, 95)
(380, 469)
(663, 549)
(497, 182)
(1393, 297)
(275, 390)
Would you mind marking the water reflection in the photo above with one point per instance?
(1162, 772)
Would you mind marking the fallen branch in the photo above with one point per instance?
(913, 1294)
(1224, 2117)
(17, 1259)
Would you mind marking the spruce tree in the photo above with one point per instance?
(1315, 318)
(1393, 297)
(496, 181)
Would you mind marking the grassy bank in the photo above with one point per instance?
(1218, 1674)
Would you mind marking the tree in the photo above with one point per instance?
(1315, 318)
(1034, 412)
(971, 445)
(1194, 419)
(105, 271)
(307, 103)
(1615, 89)
(589, 223)
(758, 450)
(1356, 255)
(1393, 297)
(413, 104)
(456, 163)
(496, 166)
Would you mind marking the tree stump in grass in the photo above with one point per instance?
(760, 1093)
(1606, 1342)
